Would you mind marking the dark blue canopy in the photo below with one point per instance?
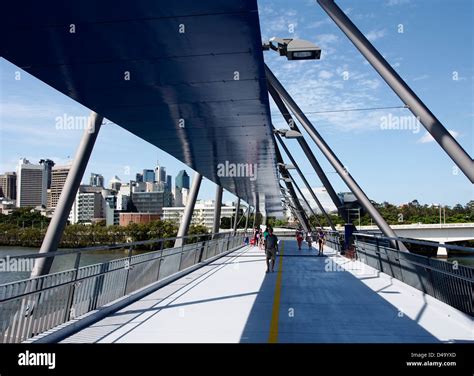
(185, 75)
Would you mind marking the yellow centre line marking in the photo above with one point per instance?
(273, 336)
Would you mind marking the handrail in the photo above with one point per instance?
(416, 241)
(106, 247)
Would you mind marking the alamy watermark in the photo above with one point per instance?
(237, 170)
(402, 123)
(8, 264)
(68, 122)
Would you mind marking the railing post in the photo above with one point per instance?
(128, 266)
(181, 255)
(70, 298)
(377, 245)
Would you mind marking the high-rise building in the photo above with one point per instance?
(151, 202)
(160, 174)
(139, 178)
(182, 180)
(115, 183)
(178, 196)
(169, 186)
(96, 180)
(8, 185)
(203, 213)
(123, 197)
(87, 206)
(148, 176)
(58, 178)
(48, 165)
(31, 184)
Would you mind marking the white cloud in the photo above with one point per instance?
(392, 3)
(375, 34)
(325, 75)
(325, 39)
(323, 197)
(427, 138)
(422, 77)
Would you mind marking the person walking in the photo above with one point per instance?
(321, 241)
(271, 248)
(309, 239)
(299, 238)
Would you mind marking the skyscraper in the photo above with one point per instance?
(168, 183)
(8, 185)
(96, 180)
(182, 180)
(115, 183)
(31, 184)
(58, 178)
(160, 174)
(148, 176)
(87, 206)
(48, 164)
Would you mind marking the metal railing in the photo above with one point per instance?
(446, 281)
(32, 306)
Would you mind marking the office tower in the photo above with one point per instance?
(115, 183)
(160, 174)
(203, 213)
(31, 184)
(168, 183)
(151, 202)
(58, 178)
(178, 197)
(49, 164)
(139, 178)
(123, 197)
(96, 180)
(87, 206)
(8, 185)
(148, 176)
(182, 180)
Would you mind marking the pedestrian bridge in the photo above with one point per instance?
(328, 299)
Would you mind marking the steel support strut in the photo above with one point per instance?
(304, 200)
(400, 87)
(217, 210)
(305, 181)
(236, 216)
(289, 186)
(247, 218)
(307, 150)
(332, 158)
(188, 211)
(68, 194)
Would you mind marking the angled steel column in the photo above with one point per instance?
(217, 210)
(289, 186)
(332, 158)
(188, 211)
(308, 186)
(304, 199)
(256, 209)
(247, 218)
(68, 194)
(415, 104)
(236, 215)
(307, 150)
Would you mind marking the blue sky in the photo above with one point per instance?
(392, 165)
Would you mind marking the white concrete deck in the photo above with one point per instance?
(231, 300)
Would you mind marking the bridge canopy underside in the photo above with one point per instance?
(185, 76)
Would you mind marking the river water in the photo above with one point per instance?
(10, 273)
